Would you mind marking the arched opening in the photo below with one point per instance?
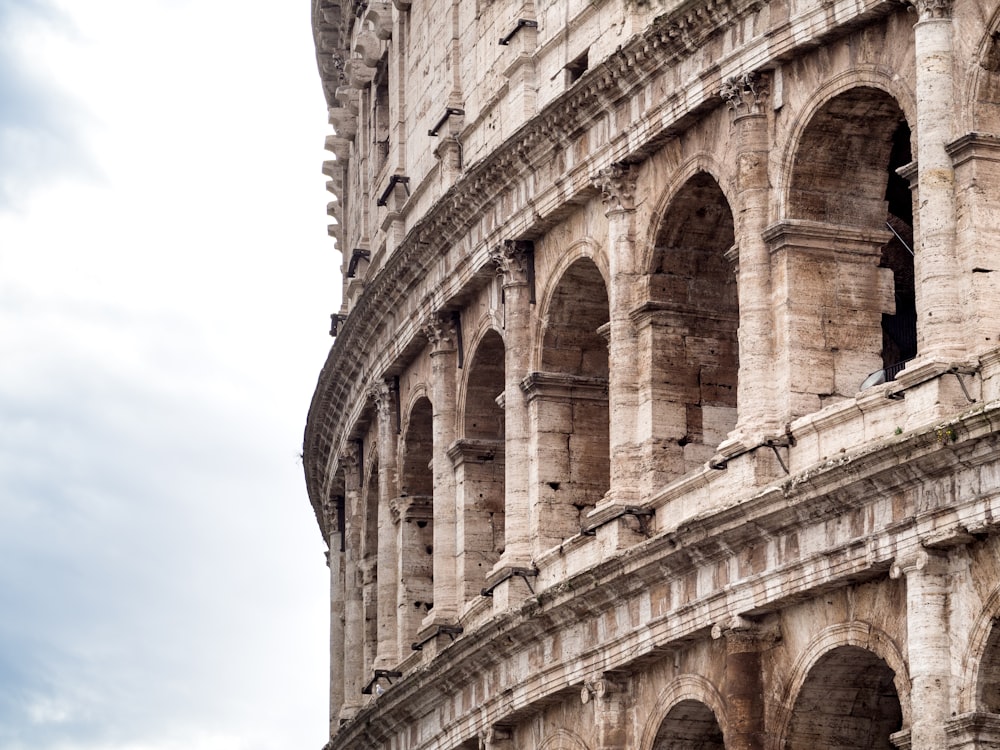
(844, 257)
(690, 328)
(847, 702)
(479, 467)
(568, 407)
(899, 327)
(988, 684)
(369, 565)
(689, 725)
(415, 510)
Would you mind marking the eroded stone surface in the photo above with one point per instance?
(591, 450)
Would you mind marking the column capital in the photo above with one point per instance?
(382, 394)
(513, 260)
(617, 185)
(350, 457)
(407, 508)
(746, 93)
(922, 560)
(603, 689)
(743, 635)
(441, 331)
(930, 10)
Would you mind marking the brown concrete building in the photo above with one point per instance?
(663, 405)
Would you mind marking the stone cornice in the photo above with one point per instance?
(791, 507)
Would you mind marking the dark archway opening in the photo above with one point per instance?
(415, 508)
(848, 702)
(479, 467)
(689, 725)
(691, 322)
(568, 406)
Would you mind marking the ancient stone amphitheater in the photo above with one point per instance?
(662, 409)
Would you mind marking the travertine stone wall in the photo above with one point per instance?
(662, 409)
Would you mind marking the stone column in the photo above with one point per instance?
(353, 654)
(512, 260)
(744, 686)
(830, 294)
(611, 701)
(479, 468)
(386, 406)
(334, 560)
(747, 96)
(939, 330)
(927, 639)
(976, 158)
(617, 184)
(442, 333)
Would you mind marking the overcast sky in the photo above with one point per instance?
(165, 287)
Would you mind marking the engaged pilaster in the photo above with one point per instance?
(744, 688)
(927, 638)
(352, 654)
(747, 96)
(335, 561)
(515, 264)
(611, 699)
(939, 329)
(617, 184)
(442, 333)
(386, 405)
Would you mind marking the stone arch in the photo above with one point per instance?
(844, 252)
(860, 637)
(415, 513)
(479, 459)
(853, 127)
(983, 87)
(688, 711)
(979, 689)
(863, 76)
(563, 739)
(689, 325)
(847, 702)
(681, 174)
(582, 249)
(568, 403)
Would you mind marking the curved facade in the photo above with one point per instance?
(662, 409)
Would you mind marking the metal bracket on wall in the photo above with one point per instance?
(523, 573)
(395, 179)
(358, 254)
(448, 112)
(522, 23)
(640, 514)
(380, 674)
(449, 630)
